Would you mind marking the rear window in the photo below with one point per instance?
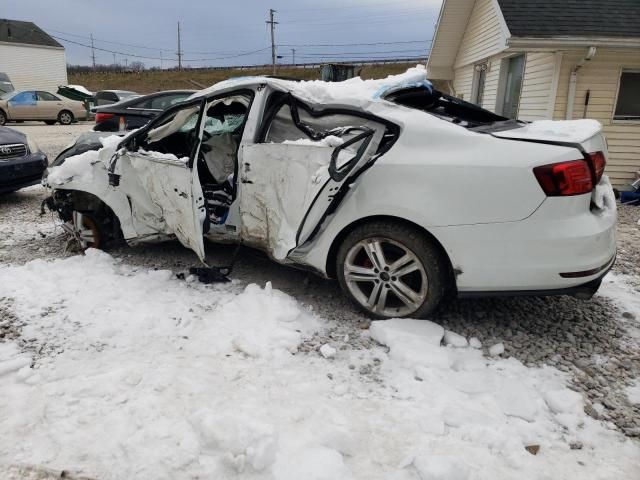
(123, 95)
(446, 107)
(161, 102)
(105, 98)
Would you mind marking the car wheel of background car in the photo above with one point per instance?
(3, 117)
(392, 270)
(65, 117)
(50, 122)
(84, 230)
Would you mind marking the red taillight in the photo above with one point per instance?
(101, 117)
(598, 162)
(566, 178)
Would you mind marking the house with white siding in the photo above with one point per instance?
(548, 59)
(31, 58)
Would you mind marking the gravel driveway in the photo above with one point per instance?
(593, 340)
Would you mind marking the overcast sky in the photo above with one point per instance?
(213, 30)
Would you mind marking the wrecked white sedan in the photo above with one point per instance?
(400, 192)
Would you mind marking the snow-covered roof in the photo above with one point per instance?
(353, 91)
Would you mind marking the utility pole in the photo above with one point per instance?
(293, 54)
(126, 63)
(114, 58)
(93, 53)
(273, 40)
(179, 50)
(161, 60)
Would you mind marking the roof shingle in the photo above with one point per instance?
(16, 31)
(551, 18)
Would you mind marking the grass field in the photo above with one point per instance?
(153, 81)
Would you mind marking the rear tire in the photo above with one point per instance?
(65, 117)
(391, 270)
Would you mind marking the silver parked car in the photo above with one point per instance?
(39, 105)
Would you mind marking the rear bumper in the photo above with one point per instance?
(22, 172)
(584, 291)
(561, 246)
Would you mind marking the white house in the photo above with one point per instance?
(32, 59)
(548, 59)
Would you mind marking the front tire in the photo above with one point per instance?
(392, 270)
(85, 230)
(3, 118)
(65, 117)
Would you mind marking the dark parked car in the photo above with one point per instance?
(136, 112)
(107, 97)
(85, 142)
(21, 161)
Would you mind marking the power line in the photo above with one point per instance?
(344, 7)
(365, 57)
(350, 44)
(244, 54)
(364, 53)
(125, 54)
(104, 49)
(155, 49)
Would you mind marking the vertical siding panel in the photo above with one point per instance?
(483, 34)
(491, 83)
(601, 76)
(34, 67)
(463, 81)
(536, 85)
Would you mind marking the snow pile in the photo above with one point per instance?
(633, 394)
(139, 375)
(488, 409)
(355, 89)
(561, 130)
(603, 197)
(80, 167)
(163, 156)
(328, 141)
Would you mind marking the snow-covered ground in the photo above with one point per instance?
(134, 374)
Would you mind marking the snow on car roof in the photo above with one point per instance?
(352, 91)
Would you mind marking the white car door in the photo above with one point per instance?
(158, 174)
(288, 188)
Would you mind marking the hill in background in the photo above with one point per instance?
(149, 81)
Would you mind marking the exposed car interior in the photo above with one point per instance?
(288, 120)
(223, 125)
(449, 108)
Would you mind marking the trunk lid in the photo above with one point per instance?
(584, 135)
(587, 133)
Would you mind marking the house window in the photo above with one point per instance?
(511, 73)
(628, 103)
(477, 90)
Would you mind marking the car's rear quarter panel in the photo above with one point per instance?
(478, 196)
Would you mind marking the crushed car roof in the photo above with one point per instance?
(352, 91)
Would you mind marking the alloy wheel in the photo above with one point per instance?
(83, 230)
(65, 118)
(385, 277)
